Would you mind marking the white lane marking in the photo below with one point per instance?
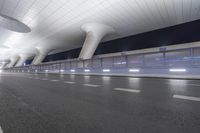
(187, 97)
(91, 85)
(193, 84)
(184, 84)
(127, 90)
(1, 131)
(54, 80)
(69, 82)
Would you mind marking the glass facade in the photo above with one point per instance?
(170, 59)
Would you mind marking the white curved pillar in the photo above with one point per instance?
(22, 59)
(4, 64)
(13, 61)
(42, 53)
(94, 34)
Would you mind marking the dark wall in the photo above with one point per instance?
(63, 55)
(29, 61)
(182, 33)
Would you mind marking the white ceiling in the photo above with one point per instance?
(57, 23)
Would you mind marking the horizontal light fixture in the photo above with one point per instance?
(106, 70)
(87, 70)
(177, 70)
(134, 70)
(62, 70)
(72, 70)
(36, 70)
(46, 70)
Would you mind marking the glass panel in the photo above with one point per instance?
(67, 65)
(135, 60)
(107, 62)
(73, 64)
(154, 60)
(62, 66)
(178, 58)
(50, 67)
(57, 66)
(196, 56)
(88, 64)
(96, 63)
(80, 64)
(46, 67)
(120, 61)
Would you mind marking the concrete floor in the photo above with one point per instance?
(42, 103)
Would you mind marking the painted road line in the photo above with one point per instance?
(187, 97)
(193, 84)
(69, 82)
(1, 131)
(54, 80)
(198, 85)
(127, 90)
(91, 85)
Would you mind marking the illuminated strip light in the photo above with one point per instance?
(62, 70)
(177, 70)
(106, 70)
(87, 70)
(36, 70)
(134, 70)
(72, 70)
(46, 70)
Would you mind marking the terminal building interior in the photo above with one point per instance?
(99, 66)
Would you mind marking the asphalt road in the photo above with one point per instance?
(47, 103)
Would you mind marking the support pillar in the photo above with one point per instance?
(4, 64)
(22, 59)
(13, 61)
(42, 53)
(94, 34)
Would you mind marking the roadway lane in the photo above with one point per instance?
(42, 103)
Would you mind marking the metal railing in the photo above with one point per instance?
(184, 58)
